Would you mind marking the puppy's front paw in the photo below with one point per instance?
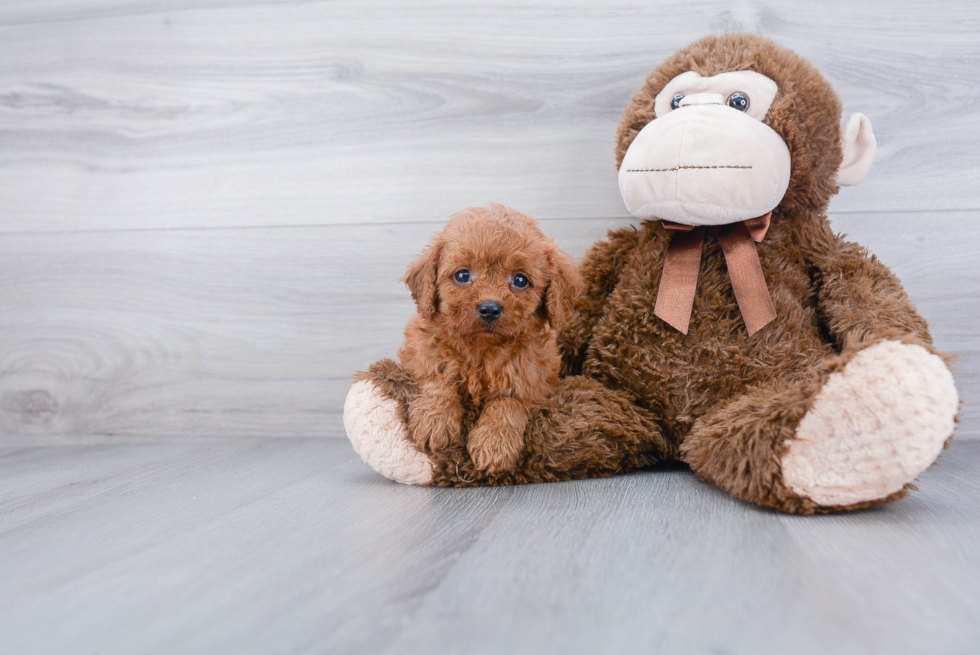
(434, 425)
(494, 448)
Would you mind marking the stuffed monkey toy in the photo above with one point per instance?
(731, 328)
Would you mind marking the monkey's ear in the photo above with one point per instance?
(563, 289)
(859, 145)
(420, 278)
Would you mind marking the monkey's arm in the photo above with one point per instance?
(600, 268)
(860, 299)
(584, 430)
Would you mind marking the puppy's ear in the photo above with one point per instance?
(563, 288)
(420, 278)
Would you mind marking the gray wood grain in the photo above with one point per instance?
(168, 113)
(126, 128)
(257, 332)
(295, 546)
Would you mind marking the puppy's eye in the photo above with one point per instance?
(739, 101)
(462, 276)
(675, 102)
(520, 281)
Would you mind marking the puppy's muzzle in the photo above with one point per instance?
(489, 310)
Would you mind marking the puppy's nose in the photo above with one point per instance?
(490, 311)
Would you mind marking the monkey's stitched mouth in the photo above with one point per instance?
(675, 168)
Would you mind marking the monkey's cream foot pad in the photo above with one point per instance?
(874, 427)
(378, 433)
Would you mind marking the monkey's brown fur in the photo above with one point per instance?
(502, 368)
(637, 391)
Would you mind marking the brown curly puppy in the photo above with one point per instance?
(492, 291)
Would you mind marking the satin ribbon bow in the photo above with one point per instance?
(679, 280)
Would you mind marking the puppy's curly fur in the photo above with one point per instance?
(460, 359)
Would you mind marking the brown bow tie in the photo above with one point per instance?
(679, 280)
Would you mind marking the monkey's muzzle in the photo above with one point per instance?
(705, 164)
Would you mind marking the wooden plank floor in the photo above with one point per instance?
(296, 546)
(168, 113)
(205, 206)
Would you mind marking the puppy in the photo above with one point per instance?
(492, 293)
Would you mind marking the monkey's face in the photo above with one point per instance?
(707, 158)
(734, 126)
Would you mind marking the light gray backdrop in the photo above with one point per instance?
(205, 206)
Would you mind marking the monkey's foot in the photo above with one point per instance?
(378, 433)
(874, 426)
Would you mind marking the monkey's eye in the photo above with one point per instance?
(462, 276)
(675, 102)
(739, 101)
(520, 281)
